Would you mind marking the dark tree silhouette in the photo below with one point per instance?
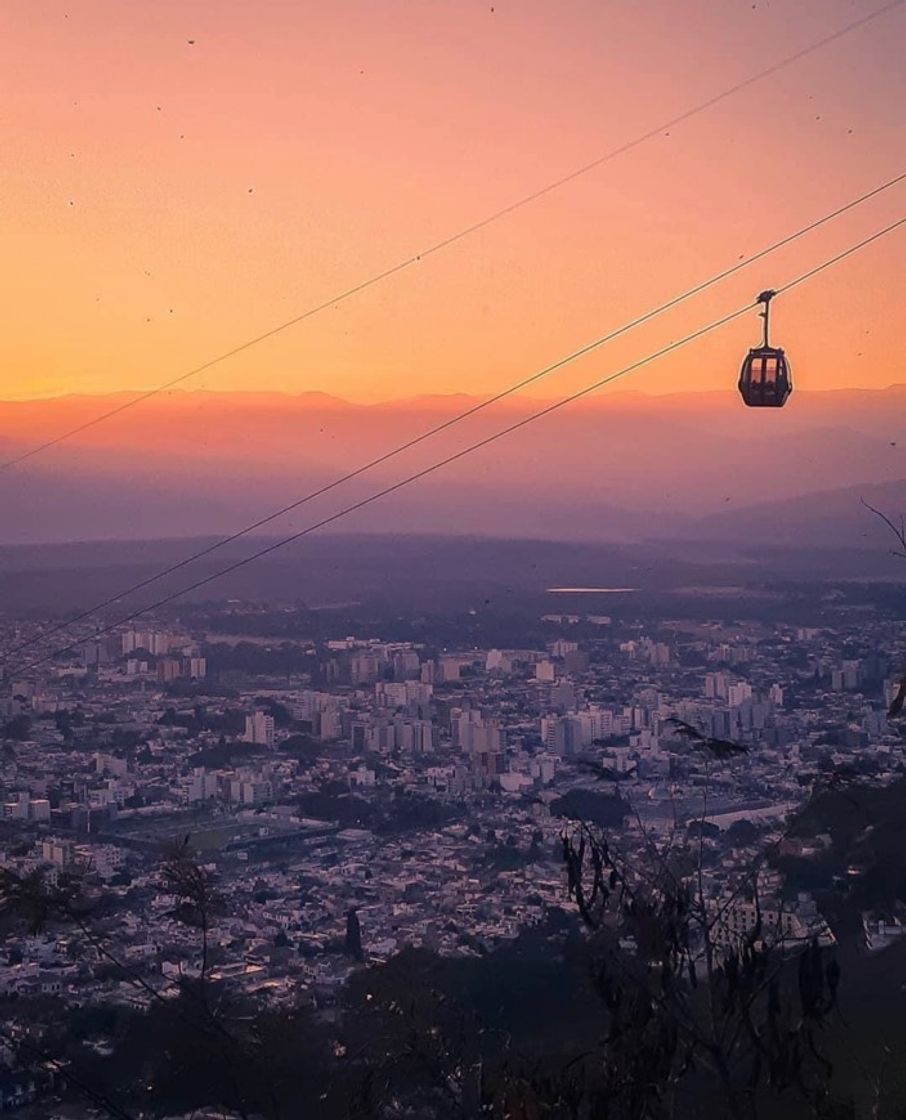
(687, 1006)
(353, 943)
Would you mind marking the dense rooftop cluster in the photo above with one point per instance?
(415, 790)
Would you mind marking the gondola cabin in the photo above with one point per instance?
(765, 380)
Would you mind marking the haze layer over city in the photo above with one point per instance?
(452, 560)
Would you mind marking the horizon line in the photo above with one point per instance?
(422, 397)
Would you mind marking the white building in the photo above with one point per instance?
(259, 729)
(477, 735)
(26, 809)
(739, 693)
(58, 852)
(202, 786)
(545, 671)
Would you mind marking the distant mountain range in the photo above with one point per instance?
(835, 518)
(617, 467)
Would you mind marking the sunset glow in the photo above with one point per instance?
(178, 177)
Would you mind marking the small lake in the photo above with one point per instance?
(590, 590)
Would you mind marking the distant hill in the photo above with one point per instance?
(616, 467)
(824, 517)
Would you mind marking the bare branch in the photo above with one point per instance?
(899, 531)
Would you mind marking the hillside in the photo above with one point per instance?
(618, 467)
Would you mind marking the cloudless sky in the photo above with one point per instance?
(162, 200)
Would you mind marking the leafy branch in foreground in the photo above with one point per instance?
(720, 748)
(689, 1001)
(40, 899)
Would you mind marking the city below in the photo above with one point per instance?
(357, 796)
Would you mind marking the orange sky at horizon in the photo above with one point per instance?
(162, 200)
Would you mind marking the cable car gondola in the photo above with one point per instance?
(765, 380)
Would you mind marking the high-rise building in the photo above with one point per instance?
(405, 665)
(562, 695)
(202, 786)
(562, 735)
(474, 733)
(196, 667)
(418, 736)
(259, 729)
(331, 724)
(169, 669)
(58, 852)
(449, 668)
(17, 810)
(245, 792)
(738, 693)
(716, 686)
(545, 671)
(364, 668)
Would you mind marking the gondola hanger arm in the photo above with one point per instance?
(765, 298)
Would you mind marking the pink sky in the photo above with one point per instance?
(162, 201)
